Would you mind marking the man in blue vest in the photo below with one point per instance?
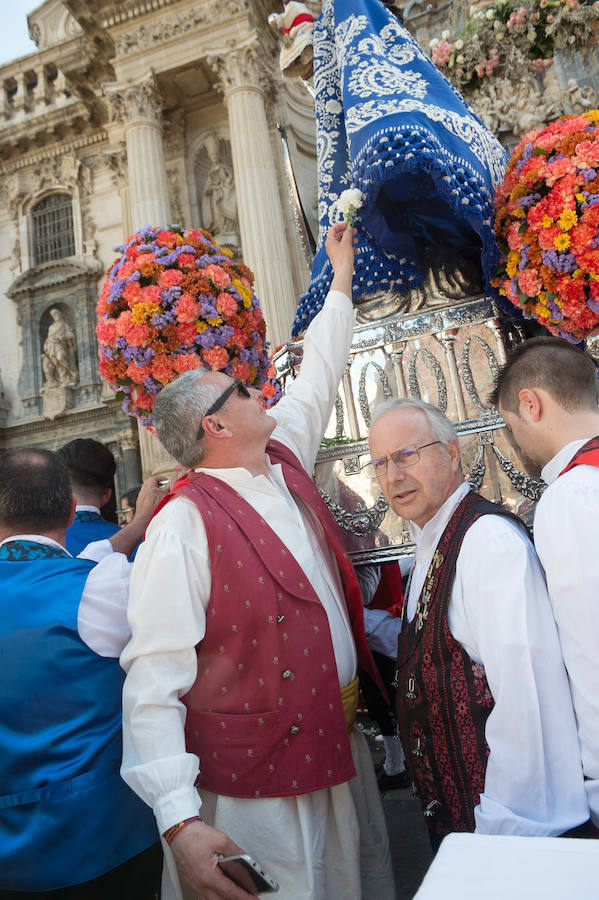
(69, 826)
(91, 468)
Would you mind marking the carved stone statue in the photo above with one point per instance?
(580, 98)
(219, 204)
(59, 357)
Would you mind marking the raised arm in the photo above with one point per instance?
(303, 413)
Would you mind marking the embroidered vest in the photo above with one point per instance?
(87, 527)
(588, 455)
(443, 699)
(265, 714)
(66, 816)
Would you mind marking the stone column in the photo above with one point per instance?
(137, 107)
(261, 222)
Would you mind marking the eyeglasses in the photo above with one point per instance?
(403, 459)
(237, 385)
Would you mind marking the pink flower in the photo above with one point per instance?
(138, 336)
(226, 305)
(170, 277)
(216, 358)
(217, 276)
(186, 361)
(530, 282)
(187, 309)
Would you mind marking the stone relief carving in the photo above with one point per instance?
(506, 104)
(116, 157)
(240, 67)
(172, 26)
(174, 190)
(219, 202)
(59, 357)
(137, 101)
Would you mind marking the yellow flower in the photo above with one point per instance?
(580, 197)
(592, 115)
(226, 252)
(519, 213)
(201, 327)
(143, 312)
(577, 273)
(541, 311)
(213, 322)
(567, 219)
(562, 242)
(546, 221)
(513, 258)
(244, 292)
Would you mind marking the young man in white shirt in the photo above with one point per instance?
(547, 395)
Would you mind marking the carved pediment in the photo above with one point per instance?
(50, 274)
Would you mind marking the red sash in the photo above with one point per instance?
(303, 17)
(588, 455)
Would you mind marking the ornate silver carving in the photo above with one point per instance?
(437, 372)
(467, 371)
(361, 520)
(339, 417)
(477, 473)
(351, 465)
(524, 484)
(362, 398)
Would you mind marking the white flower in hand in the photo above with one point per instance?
(349, 203)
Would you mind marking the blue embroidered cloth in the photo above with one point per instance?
(17, 551)
(390, 124)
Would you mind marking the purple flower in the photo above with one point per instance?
(205, 340)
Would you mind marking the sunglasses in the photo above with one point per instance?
(238, 386)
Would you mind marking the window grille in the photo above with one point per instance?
(53, 236)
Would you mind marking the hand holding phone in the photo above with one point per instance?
(247, 874)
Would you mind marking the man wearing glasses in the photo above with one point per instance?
(247, 633)
(484, 707)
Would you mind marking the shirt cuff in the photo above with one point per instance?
(176, 806)
(96, 551)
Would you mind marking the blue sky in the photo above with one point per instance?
(14, 37)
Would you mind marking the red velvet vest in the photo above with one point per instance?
(443, 699)
(588, 455)
(265, 714)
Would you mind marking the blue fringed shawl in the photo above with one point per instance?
(391, 125)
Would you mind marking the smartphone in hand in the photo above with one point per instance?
(247, 874)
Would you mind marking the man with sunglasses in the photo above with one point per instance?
(484, 708)
(247, 633)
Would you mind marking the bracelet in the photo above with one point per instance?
(170, 833)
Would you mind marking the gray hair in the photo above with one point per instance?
(442, 429)
(178, 413)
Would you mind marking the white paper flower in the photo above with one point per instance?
(459, 44)
(434, 43)
(349, 203)
(446, 34)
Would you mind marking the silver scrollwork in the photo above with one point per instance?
(475, 479)
(467, 371)
(437, 372)
(524, 484)
(361, 520)
(362, 398)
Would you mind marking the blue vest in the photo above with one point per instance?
(88, 527)
(66, 816)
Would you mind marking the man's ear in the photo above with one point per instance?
(453, 451)
(216, 428)
(530, 405)
(72, 515)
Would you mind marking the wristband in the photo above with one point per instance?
(170, 833)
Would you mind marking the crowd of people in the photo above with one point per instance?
(240, 629)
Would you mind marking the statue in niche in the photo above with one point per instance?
(219, 204)
(59, 357)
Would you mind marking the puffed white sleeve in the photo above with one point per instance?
(170, 590)
(304, 411)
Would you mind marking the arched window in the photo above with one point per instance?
(53, 236)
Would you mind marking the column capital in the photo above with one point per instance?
(135, 101)
(242, 68)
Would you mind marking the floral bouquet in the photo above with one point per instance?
(173, 301)
(547, 226)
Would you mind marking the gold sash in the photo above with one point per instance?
(349, 695)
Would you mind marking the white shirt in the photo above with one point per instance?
(566, 530)
(500, 613)
(171, 581)
(102, 615)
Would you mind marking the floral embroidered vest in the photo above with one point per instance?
(265, 714)
(443, 699)
(588, 455)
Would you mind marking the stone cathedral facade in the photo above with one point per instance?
(135, 113)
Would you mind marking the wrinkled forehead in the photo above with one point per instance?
(400, 427)
(220, 379)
